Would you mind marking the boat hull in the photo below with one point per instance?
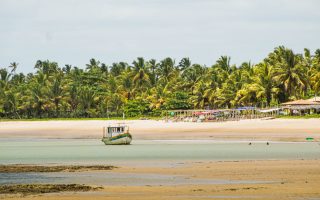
(123, 139)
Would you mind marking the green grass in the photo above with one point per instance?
(300, 117)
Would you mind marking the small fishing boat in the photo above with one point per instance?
(116, 135)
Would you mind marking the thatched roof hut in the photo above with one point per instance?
(316, 99)
(302, 104)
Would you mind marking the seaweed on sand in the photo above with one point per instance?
(53, 168)
(28, 189)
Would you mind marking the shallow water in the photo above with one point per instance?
(90, 151)
(111, 178)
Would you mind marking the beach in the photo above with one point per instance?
(256, 129)
(167, 160)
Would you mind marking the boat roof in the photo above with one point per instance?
(117, 125)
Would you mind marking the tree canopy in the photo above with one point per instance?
(148, 87)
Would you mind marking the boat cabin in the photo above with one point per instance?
(112, 131)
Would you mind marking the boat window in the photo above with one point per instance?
(118, 129)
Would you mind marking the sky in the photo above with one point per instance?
(73, 31)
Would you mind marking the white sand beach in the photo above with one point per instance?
(272, 130)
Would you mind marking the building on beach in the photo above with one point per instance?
(302, 106)
(298, 107)
(217, 115)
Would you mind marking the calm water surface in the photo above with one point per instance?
(89, 151)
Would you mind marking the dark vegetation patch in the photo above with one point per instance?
(62, 168)
(244, 188)
(198, 190)
(28, 189)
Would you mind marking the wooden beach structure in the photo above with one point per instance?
(302, 106)
(217, 115)
(298, 107)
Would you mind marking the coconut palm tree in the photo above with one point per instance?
(184, 64)
(56, 92)
(13, 67)
(86, 98)
(141, 77)
(93, 63)
(289, 73)
(315, 73)
(166, 69)
(153, 67)
(262, 89)
(99, 90)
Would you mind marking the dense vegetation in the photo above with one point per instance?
(149, 87)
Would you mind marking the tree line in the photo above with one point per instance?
(149, 87)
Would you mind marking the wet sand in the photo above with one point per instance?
(275, 179)
(294, 179)
(272, 130)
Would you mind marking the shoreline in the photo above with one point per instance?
(165, 141)
(253, 130)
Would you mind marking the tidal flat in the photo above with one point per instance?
(169, 162)
(257, 179)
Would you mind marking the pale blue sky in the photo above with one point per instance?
(73, 31)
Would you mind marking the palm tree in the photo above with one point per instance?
(153, 67)
(104, 68)
(38, 97)
(56, 92)
(192, 75)
(72, 97)
(184, 64)
(290, 74)
(211, 93)
(262, 89)
(11, 102)
(118, 68)
(199, 99)
(67, 68)
(140, 77)
(4, 78)
(315, 72)
(86, 98)
(93, 63)
(166, 69)
(315, 81)
(47, 67)
(126, 85)
(13, 67)
(224, 64)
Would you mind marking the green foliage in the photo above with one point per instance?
(306, 116)
(138, 107)
(178, 100)
(149, 87)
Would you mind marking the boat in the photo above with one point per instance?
(116, 135)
